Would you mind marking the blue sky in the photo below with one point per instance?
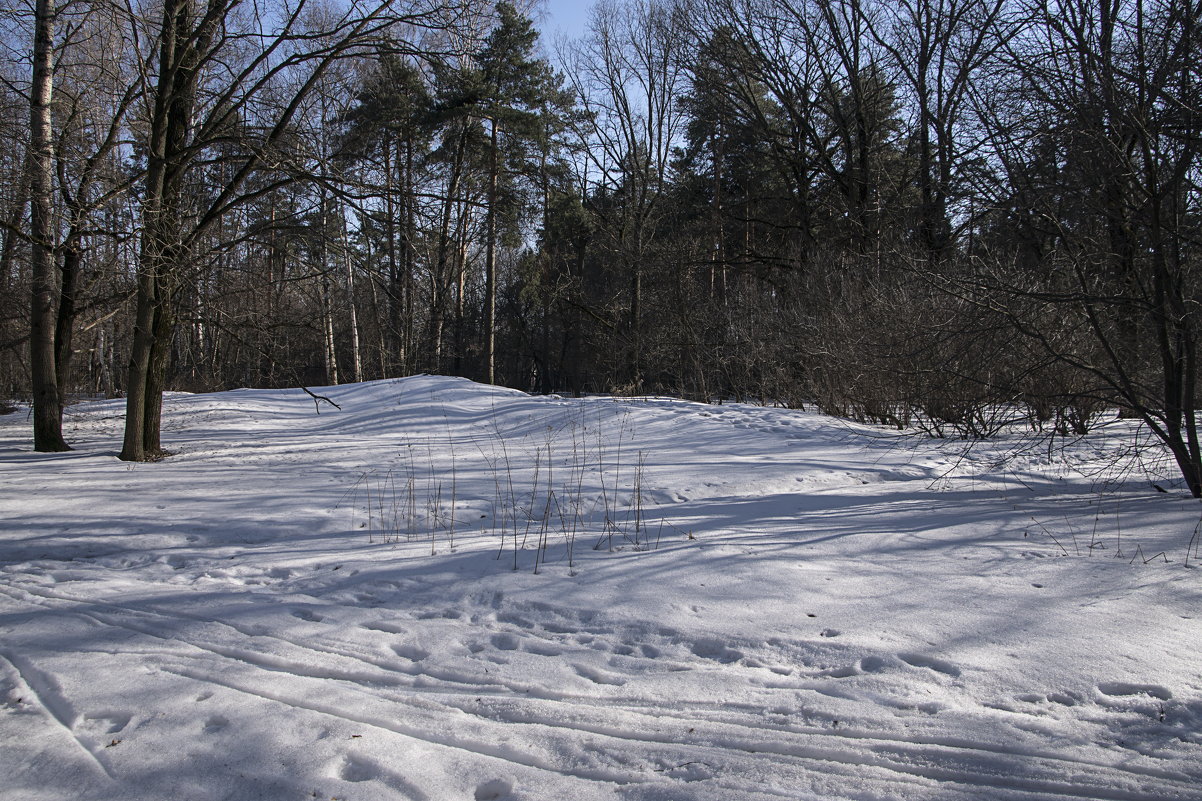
(568, 16)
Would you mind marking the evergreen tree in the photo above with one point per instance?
(390, 128)
(518, 95)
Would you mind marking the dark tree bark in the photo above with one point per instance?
(180, 48)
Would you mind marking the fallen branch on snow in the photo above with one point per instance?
(317, 399)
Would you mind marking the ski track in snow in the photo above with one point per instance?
(836, 612)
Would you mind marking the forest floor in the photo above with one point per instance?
(448, 591)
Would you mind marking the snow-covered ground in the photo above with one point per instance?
(447, 591)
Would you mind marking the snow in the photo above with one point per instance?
(733, 602)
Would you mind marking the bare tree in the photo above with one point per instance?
(628, 75)
(1098, 130)
(940, 49)
(257, 73)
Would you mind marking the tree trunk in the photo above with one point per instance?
(408, 231)
(64, 333)
(160, 254)
(490, 266)
(396, 351)
(133, 449)
(356, 354)
(47, 393)
(156, 377)
(327, 327)
(441, 279)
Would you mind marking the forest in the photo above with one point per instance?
(952, 216)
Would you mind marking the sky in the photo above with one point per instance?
(568, 16)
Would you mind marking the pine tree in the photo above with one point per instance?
(515, 92)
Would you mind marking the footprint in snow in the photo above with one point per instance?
(306, 615)
(505, 642)
(1122, 689)
(355, 770)
(931, 663)
(543, 649)
(717, 651)
(107, 723)
(598, 676)
(1064, 699)
(384, 626)
(410, 652)
(560, 628)
(516, 620)
(494, 790)
(215, 724)
(845, 672)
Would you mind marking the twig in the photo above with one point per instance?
(1139, 554)
(318, 398)
(1049, 533)
(1191, 541)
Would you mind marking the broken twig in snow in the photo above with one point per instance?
(317, 399)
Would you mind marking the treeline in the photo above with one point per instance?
(934, 213)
